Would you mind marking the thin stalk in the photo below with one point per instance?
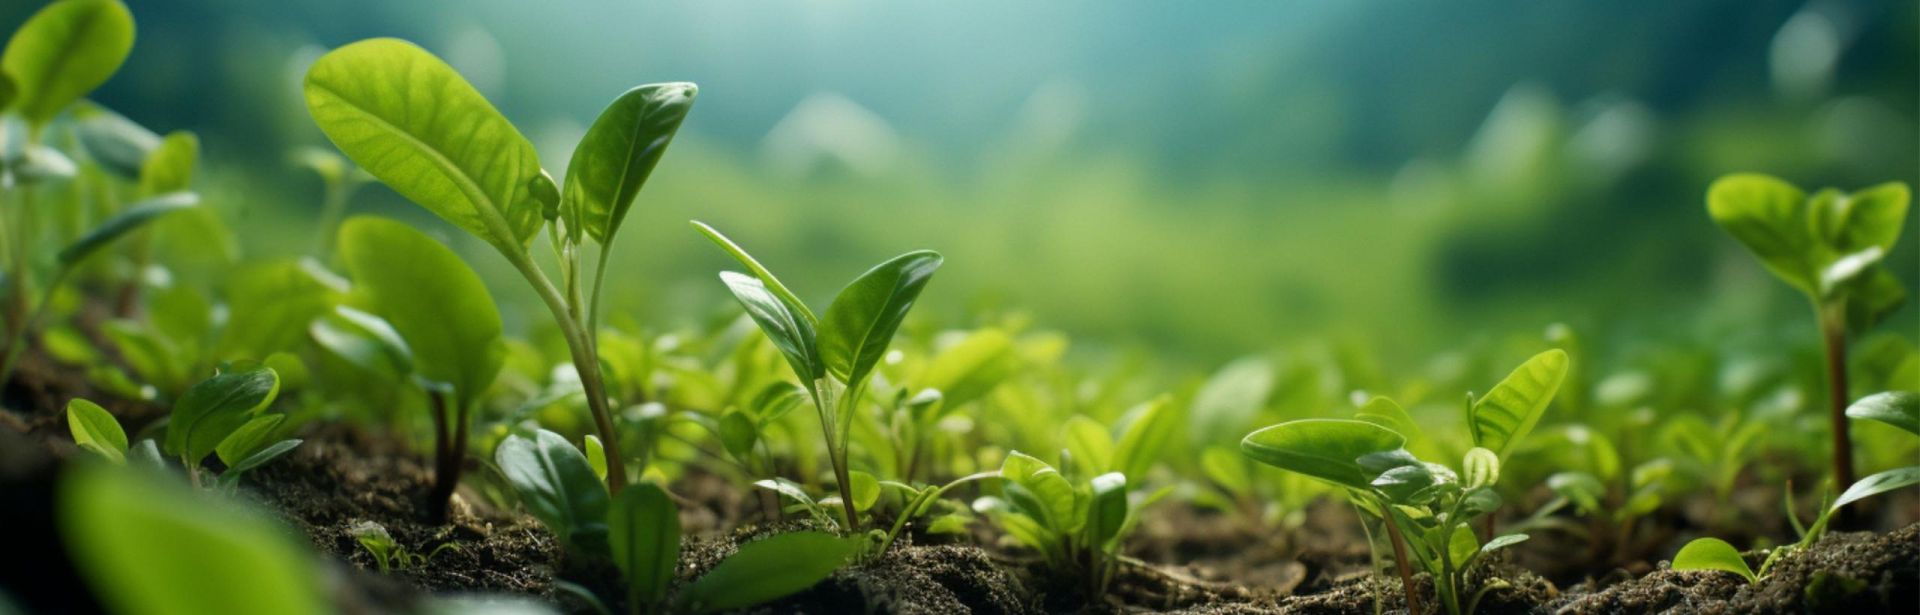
(599, 278)
(193, 473)
(1400, 561)
(1373, 555)
(837, 454)
(1833, 331)
(19, 287)
(333, 206)
(448, 449)
(584, 361)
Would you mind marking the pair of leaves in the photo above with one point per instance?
(558, 486)
(64, 51)
(215, 408)
(1326, 449)
(438, 305)
(1822, 244)
(1501, 419)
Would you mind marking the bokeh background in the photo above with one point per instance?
(1189, 181)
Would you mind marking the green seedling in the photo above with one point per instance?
(1076, 527)
(645, 534)
(834, 356)
(559, 487)
(1898, 408)
(1829, 246)
(960, 374)
(412, 122)
(428, 319)
(388, 554)
(223, 415)
(1427, 508)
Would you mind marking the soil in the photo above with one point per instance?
(1181, 560)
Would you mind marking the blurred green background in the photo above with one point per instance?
(1191, 181)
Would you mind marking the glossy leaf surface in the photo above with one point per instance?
(860, 324)
(1327, 449)
(63, 52)
(617, 155)
(1505, 415)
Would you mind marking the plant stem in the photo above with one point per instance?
(1400, 561)
(1833, 331)
(333, 205)
(837, 453)
(585, 361)
(448, 451)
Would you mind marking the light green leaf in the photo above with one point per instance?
(1108, 511)
(768, 569)
(1479, 468)
(212, 409)
(63, 52)
(1153, 426)
(866, 490)
(643, 528)
(1089, 443)
(412, 122)
(1581, 488)
(596, 455)
(1503, 417)
(256, 434)
(1462, 545)
(1897, 408)
(1877, 484)
(1227, 468)
(766, 277)
(970, 369)
(128, 220)
(170, 167)
(860, 323)
(787, 488)
(1503, 541)
(1230, 400)
(789, 331)
(364, 340)
(149, 546)
(260, 457)
(614, 159)
(1869, 218)
(775, 401)
(1713, 554)
(1387, 413)
(432, 299)
(1327, 449)
(96, 430)
(558, 486)
(1768, 216)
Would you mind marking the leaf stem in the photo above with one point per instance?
(585, 361)
(1400, 559)
(1833, 331)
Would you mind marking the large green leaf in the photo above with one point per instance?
(408, 119)
(1327, 449)
(150, 547)
(1502, 417)
(214, 408)
(1713, 554)
(789, 331)
(435, 302)
(127, 221)
(95, 430)
(170, 167)
(558, 486)
(860, 323)
(1768, 216)
(1877, 484)
(614, 159)
(769, 568)
(1897, 408)
(64, 51)
(643, 529)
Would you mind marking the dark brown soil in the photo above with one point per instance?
(1858, 572)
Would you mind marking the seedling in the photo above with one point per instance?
(834, 357)
(1427, 508)
(412, 122)
(221, 415)
(1829, 246)
(387, 553)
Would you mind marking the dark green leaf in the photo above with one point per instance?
(62, 52)
(643, 528)
(211, 410)
(1504, 416)
(558, 487)
(738, 433)
(770, 568)
(260, 457)
(614, 159)
(411, 121)
(860, 323)
(96, 430)
(1401, 483)
(436, 303)
(1897, 408)
(133, 217)
(1327, 449)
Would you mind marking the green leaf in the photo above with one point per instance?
(1227, 468)
(256, 434)
(128, 220)
(170, 167)
(96, 430)
(1229, 401)
(212, 409)
(617, 154)
(1504, 416)
(970, 369)
(775, 401)
(8, 91)
(738, 433)
(861, 322)
(1503, 541)
(363, 340)
(35, 164)
(789, 331)
(558, 487)
(260, 457)
(768, 569)
(1583, 489)
(1403, 484)
(1872, 297)
(1089, 443)
(1480, 468)
(766, 277)
(1386, 413)
(63, 52)
(118, 144)
(152, 547)
(1713, 554)
(1327, 449)
(1462, 545)
(1897, 408)
(412, 122)
(1153, 426)
(1108, 511)
(643, 528)
(596, 455)
(435, 302)
(1039, 490)
(1870, 218)
(866, 490)
(1877, 484)
(787, 488)
(1769, 217)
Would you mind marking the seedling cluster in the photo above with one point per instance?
(915, 434)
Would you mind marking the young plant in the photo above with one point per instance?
(388, 554)
(1076, 528)
(1427, 508)
(1829, 246)
(222, 415)
(445, 332)
(412, 122)
(833, 356)
(644, 528)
